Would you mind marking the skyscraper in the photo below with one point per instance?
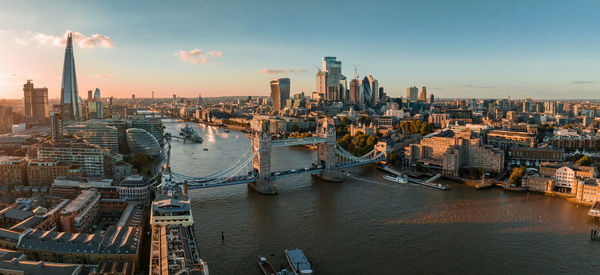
(354, 91)
(280, 93)
(374, 86)
(367, 94)
(412, 93)
(334, 78)
(36, 101)
(97, 94)
(322, 84)
(423, 95)
(69, 94)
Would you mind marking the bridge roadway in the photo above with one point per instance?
(296, 141)
(275, 176)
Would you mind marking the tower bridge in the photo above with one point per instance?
(254, 166)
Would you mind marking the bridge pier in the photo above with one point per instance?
(326, 151)
(264, 187)
(261, 142)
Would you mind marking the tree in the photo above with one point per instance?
(516, 176)
(426, 128)
(585, 161)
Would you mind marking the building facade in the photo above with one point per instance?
(36, 102)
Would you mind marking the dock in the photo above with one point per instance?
(427, 182)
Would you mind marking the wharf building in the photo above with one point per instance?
(173, 233)
(36, 102)
(510, 139)
(13, 170)
(451, 154)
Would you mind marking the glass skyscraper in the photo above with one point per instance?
(280, 93)
(69, 94)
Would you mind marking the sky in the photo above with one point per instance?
(460, 48)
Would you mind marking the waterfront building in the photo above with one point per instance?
(13, 170)
(96, 132)
(142, 141)
(36, 102)
(412, 94)
(69, 93)
(538, 183)
(566, 175)
(280, 93)
(75, 151)
(44, 171)
(81, 213)
(154, 126)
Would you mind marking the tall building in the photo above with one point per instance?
(354, 95)
(69, 94)
(412, 94)
(280, 93)
(322, 84)
(334, 77)
(6, 119)
(56, 125)
(374, 87)
(367, 94)
(97, 94)
(36, 101)
(423, 95)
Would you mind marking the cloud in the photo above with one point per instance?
(582, 82)
(104, 76)
(44, 39)
(281, 71)
(196, 56)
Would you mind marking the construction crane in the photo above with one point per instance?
(319, 69)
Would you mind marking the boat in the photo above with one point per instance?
(226, 131)
(189, 133)
(399, 179)
(205, 149)
(298, 261)
(265, 266)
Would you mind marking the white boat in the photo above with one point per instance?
(399, 179)
(298, 262)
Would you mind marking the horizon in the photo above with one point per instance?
(471, 49)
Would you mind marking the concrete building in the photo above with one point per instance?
(96, 132)
(423, 94)
(135, 188)
(81, 213)
(77, 152)
(412, 94)
(510, 139)
(44, 171)
(36, 102)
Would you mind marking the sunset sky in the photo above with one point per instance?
(539, 49)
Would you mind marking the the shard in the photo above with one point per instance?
(69, 94)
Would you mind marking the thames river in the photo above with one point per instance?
(376, 226)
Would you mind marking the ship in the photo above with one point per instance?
(189, 133)
(298, 262)
(266, 267)
(399, 179)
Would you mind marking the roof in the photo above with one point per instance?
(30, 267)
(17, 214)
(81, 201)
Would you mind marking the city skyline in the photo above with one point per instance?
(472, 49)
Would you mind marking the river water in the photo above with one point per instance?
(376, 226)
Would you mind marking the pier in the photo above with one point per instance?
(427, 182)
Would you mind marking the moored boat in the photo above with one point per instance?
(298, 261)
(266, 267)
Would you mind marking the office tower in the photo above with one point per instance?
(367, 95)
(56, 125)
(69, 94)
(374, 89)
(382, 94)
(333, 77)
(94, 109)
(527, 105)
(412, 93)
(89, 95)
(423, 95)
(354, 91)
(132, 96)
(36, 101)
(98, 133)
(343, 88)
(152, 95)
(431, 99)
(280, 93)
(97, 94)
(322, 84)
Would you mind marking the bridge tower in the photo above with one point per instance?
(261, 163)
(326, 151)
